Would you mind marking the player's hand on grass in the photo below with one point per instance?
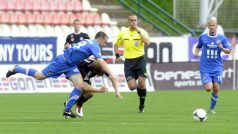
(118, 95)
(103, 89)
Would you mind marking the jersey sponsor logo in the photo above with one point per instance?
(212, 45)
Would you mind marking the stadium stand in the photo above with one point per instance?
(23, 30)
(51, 16)
(28, 5)
(16, 30)
(49, 30)
(84, 29)
(7, 30)
(3, 5)
(32, 30)
(91, 31)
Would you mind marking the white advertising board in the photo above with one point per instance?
(20, 83)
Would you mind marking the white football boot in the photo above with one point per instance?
(79, 111)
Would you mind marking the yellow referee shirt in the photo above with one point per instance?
(131, 40)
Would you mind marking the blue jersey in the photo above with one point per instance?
(211, 61)
(82, 50)
(66, 63)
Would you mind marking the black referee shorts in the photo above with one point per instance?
(134, 68)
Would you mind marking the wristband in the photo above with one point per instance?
(117, 55)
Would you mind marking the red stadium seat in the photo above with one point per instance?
(19, 5)
(72, 17)
(56, 18)
(77, 5)
(61, 5)
(13, 18)
(69, 5)
(3, 5)
(39, 19)
(89, 20)
(67, 18)
(21, 18)
(11, 5)
(30, 18)
(64, 17)
(53, 5)
(36, 5)
(97, 19)
(28, 5)
(4, 17)
(45, 5)
(81, 17)
(47, 18)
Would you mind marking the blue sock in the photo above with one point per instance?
(29, 72)
(73, 97)
(214, 99)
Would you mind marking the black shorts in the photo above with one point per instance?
(134, 68)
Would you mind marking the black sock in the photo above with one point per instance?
(142, 94)
(83, 99)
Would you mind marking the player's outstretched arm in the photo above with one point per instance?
(89, 88)
(112, 77)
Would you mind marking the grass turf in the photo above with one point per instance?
(166, 112)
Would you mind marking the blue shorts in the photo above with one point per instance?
(208, 77)
(58, 66)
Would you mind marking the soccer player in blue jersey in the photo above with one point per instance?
(67, 64)
(88, 69)
(211, 64)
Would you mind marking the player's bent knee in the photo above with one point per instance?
(79, 85)
(87, 93)
(142, 86)
(39, 76)
(132, 87)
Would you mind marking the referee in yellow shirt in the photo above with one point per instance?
(133, 39)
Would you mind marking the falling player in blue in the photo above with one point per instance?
(67, 64)
(211, 64)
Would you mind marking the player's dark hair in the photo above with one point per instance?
(96, 68)
(101, 34)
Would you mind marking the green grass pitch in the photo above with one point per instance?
(166, 112)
